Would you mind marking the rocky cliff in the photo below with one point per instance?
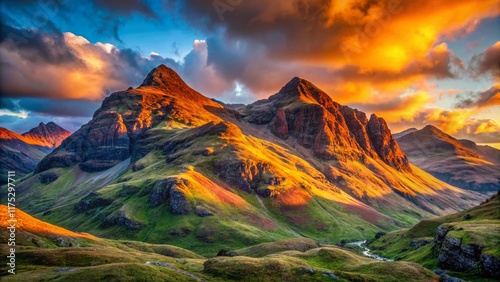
(303, 112)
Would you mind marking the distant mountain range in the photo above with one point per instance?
(22, 153)
(163, 163)
(461, 163)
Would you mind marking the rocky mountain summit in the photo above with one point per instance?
(125, 117)
(303, 112)
(461, 163)
(48, 135)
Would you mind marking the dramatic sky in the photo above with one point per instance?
(413, 62)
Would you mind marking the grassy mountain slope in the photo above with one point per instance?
(46, 252)
(423, 243)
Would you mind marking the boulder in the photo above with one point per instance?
(91, 201)
(48, 177)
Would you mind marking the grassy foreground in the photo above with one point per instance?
(45, 254)
(476, 226)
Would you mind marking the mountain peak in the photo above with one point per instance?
(162, 76)
(434, 131)
(46, 135)
(297, 85)
(432, 128)
(301, 89)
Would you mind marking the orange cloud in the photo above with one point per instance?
(487, 126)
(449, 121)
(398, 108)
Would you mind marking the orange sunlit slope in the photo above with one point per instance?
(30, 224)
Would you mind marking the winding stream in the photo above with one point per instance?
(366, 251)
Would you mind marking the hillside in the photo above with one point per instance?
(47, 252)
(466, 242)
(461, 163)
(163, 163)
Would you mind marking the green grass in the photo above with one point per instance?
(264, 249)
(482, 228)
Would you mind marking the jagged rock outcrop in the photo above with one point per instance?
(333, 132)
(452, 254)
(123, 219)
(243, 174)
(48, 177)
(385, 145)
(91, 201)
(172, 191)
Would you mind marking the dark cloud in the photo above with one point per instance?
(37, 45)
(65, 66)
(10, 105)
(105, 16)
(60, 108)
(229, 59)
(488, 98)
(487, 62)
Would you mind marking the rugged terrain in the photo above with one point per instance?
(22, 153)
(47, 252)
(163, 163)
(466, 243)
(461, 163)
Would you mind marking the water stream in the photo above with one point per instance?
(366, 251)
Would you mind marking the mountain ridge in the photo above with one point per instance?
(22, 153)
(161, 162)
(459, 162)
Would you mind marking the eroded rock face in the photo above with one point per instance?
(279, 125)
(453, 255)
(91, 201)
(491, 266)
(124, 220)
(172, 191)
(456, 257)
(160, 192)
(333, 132)
(179, 204)
(385, 145)
(243, 174)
